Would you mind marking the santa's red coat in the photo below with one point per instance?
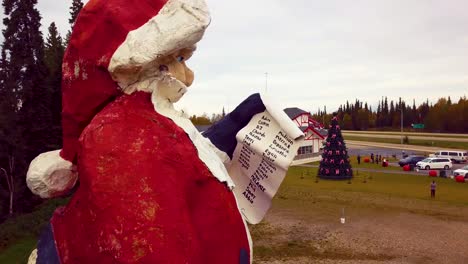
(145, 196)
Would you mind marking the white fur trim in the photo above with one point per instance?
(211, 156)
(180, 24)
(33, 257)
(49, 175)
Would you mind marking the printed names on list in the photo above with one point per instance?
(261, 159)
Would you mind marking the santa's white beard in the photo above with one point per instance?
(170, 88)
(163, 85)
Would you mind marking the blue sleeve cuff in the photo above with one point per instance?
(223, 133)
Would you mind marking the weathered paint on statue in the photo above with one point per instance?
(152, 189)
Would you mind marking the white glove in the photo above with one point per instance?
(49, 175)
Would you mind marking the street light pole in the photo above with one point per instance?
(323, 115)
(401, 110)
(402, 151)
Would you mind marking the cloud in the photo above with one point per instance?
(323, 52)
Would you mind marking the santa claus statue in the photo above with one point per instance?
(151, 188)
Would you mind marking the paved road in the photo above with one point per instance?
(428, 138)
(372, 170)
(397, 146)
(408, 133)
(386, 150)
(421, 172)
(364, 150)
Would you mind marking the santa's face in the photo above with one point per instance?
(176, 75)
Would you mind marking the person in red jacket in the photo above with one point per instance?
(151, 188)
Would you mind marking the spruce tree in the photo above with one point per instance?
(27, 73)
(54, 51)
(75, 9)
(335, 160)
(24, 89)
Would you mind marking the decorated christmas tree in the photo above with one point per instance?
(335, 160)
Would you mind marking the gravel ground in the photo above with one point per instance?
(369, 236)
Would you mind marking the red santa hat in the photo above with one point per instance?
(113, 41)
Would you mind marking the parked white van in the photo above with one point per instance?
(434, 163)
(454, 156)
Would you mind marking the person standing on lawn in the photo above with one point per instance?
(358, 159)
(433, 189)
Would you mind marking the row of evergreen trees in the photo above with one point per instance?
(443, 116)
(30, 92)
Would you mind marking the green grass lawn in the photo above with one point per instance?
(418, 142)
(18, 253)
(18, 235)
(375, 183)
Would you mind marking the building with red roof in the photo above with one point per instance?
(314, 135)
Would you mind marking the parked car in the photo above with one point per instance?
(434, 163)
(411, 160)
(463, 171)
(455, 156)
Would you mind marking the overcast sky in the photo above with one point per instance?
(322, 53)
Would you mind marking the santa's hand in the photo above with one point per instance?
(50, 175)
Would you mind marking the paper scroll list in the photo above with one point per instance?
(260, 162)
